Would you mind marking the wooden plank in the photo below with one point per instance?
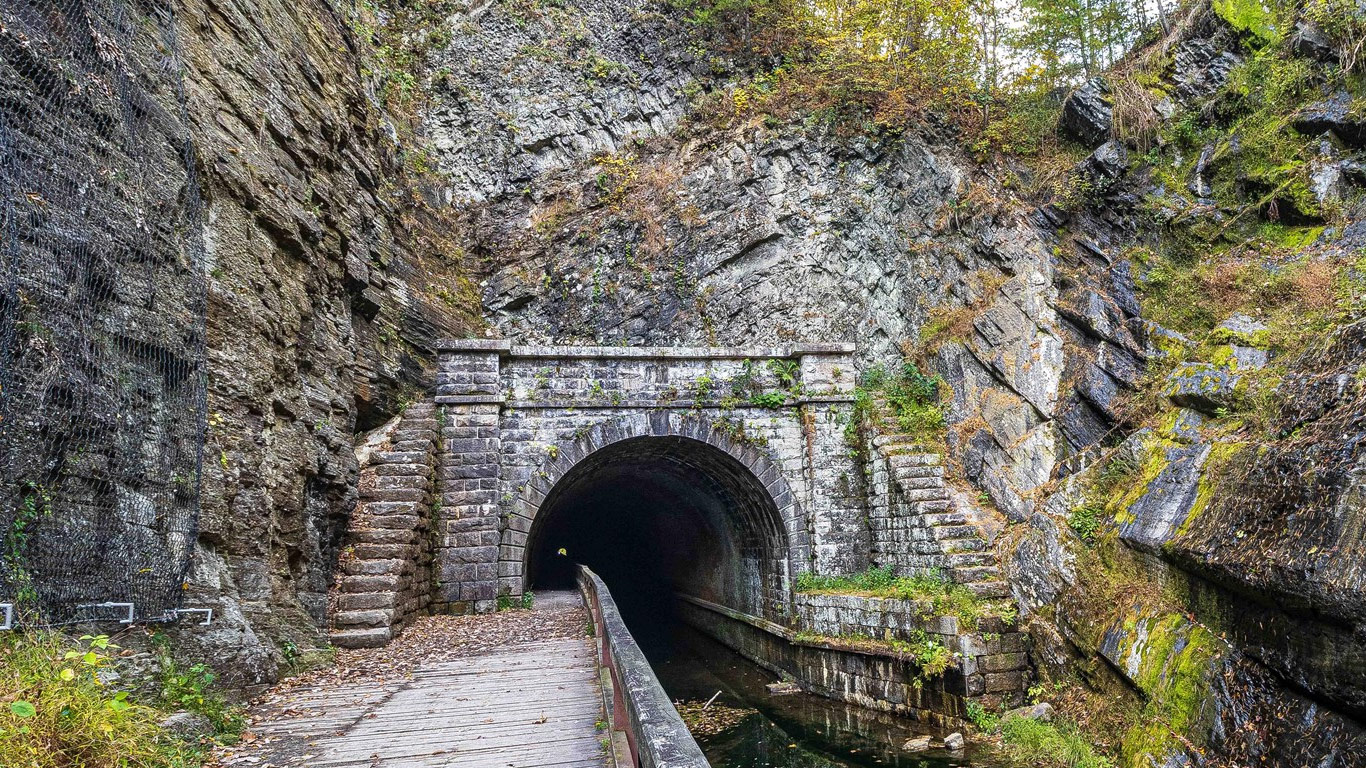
(533, 705)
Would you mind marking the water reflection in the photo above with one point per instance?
(791, 731)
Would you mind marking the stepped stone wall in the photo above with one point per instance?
(385, 570)
(915, 524)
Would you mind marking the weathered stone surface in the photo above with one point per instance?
(190, 726)
(1202, 386)
(1104, 167)
(1244, 330)
(1087, 113)
(363, 638)
(1043, 711)
(917, 744)
(1204, 57)
(1199, 184)
(1333, 114)
(1165, 505)
(1308, 41)
(1186, 425)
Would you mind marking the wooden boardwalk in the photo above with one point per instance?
(530, 705)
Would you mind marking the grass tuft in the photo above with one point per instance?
(56, 710)
(1049, 745)
(945, 597)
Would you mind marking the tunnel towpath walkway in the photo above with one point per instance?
(516, 689)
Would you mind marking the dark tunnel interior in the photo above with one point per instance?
(657, 515)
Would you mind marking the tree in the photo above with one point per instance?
(1078, 38)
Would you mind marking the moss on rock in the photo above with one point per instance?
(1174, 668)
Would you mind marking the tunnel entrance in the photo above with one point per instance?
(658, 515)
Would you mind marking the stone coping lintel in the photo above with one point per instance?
(506, 348)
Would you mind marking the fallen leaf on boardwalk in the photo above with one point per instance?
(381, 672)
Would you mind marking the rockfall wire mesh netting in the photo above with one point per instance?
(102, 369)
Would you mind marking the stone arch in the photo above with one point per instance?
(768, 514)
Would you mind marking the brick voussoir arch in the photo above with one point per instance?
(568, 454)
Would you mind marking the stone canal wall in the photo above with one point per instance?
(991, 655)
(833, 649)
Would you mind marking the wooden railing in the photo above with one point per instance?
(656, 735)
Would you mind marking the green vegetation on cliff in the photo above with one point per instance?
(908, 400)
(61, 705)
(875, 65)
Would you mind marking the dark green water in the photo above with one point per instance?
(793, 731)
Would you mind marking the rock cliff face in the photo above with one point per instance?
(691, 234)
(1228, 595)
(625, 215)
(329, 281)
(663, 229)
(590, 183)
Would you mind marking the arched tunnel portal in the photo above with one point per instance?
(654, 515)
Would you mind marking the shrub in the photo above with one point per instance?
(192, 689)
(932, 657)
(1249, 16)
(516, 603)
(55, 711)
(985, 721)
(911, 397)
(1026, 125)
(768, 399)
(1085, 521)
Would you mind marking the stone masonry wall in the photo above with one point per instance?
(828, 654)
(515, 416)
(916, 526)
(993, 661)
(385, 565)
(468, 529)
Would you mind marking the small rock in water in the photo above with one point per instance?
(783, 688)
(953, 742)
(1043, 712)
(918, 744)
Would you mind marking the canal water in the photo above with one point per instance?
(761, 730)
